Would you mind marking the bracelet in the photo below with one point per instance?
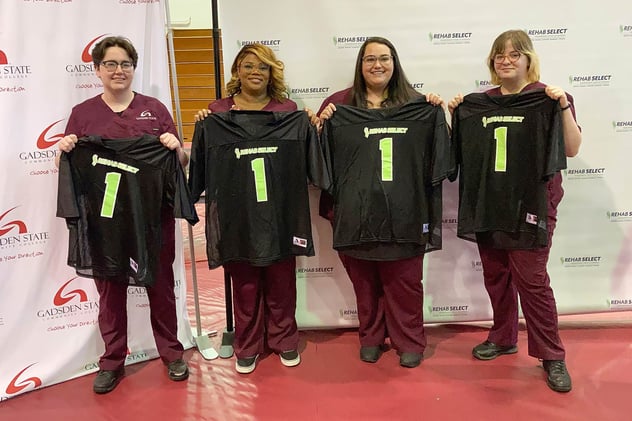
(566, 108)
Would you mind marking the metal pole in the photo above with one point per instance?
(226, 349)
(201, 340)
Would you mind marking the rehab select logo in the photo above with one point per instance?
(22, 381)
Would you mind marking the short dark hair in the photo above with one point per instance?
(400, 90)
(98, 52)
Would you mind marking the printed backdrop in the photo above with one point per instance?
(48, 315)
(584, 47)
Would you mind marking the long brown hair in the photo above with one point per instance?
(399, 89)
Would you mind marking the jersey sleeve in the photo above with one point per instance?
(183, 205)
(442, 163)
(66, 203)
(197, 162)
(318, 168)
(556, 155)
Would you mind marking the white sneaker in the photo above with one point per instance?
(246, 365)
(290, 358)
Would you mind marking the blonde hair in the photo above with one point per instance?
(276, 85)
(522, 43)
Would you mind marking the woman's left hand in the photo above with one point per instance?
(558, 94)
(169, 141)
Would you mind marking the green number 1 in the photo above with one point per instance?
(386, 147)
(112, 180)
(500, 135)
(261, 187)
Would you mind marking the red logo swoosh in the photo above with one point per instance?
(60, 298)
(86, 57)
(3, 58)
(15, 387)
(21, 226)
(43, 143)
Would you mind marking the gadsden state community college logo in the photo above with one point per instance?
(86, 55)
(17, 385)
(3, 58)
(7, 226)
(45, 140)
(62, 296)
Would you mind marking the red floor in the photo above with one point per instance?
(333, 384)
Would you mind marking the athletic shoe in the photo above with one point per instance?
(290, 358)
(178, 370)
(246, 365)
(557, 378)
(106, 380)
(489, 350)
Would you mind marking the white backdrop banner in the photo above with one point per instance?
(48, 315)
(584, 48)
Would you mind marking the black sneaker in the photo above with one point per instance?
(370, 354)
(557, 377)
(246, 365)
(106, 380)
(489, 350)
(290, 358)
(178, 370)
(410, 359)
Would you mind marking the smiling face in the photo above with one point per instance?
(253, 74)
(119, 80)
(377, 74)
(510, 69)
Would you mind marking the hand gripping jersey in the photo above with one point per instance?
(507, 148)
(113, 194)
(254, 167)
(387, 169)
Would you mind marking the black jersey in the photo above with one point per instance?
(113, 194)
(507, 148)
(255, 167)
(387, 169)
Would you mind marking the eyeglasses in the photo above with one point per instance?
(112, 65)
(249, 68)
(371, 60)
(513, 57)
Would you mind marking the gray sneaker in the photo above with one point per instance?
(178, 370)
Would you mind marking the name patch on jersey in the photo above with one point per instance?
(133, 265)
(250, 151)
(532, 219)
(111, 163)
(301, 242)
(384, 130)
(502, 119)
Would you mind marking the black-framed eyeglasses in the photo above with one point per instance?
(371, 60)
(513, 57)
(112, 65)
(249, 67)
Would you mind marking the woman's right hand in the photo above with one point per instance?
(67, 143)
(455, 102)
(201, 115)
